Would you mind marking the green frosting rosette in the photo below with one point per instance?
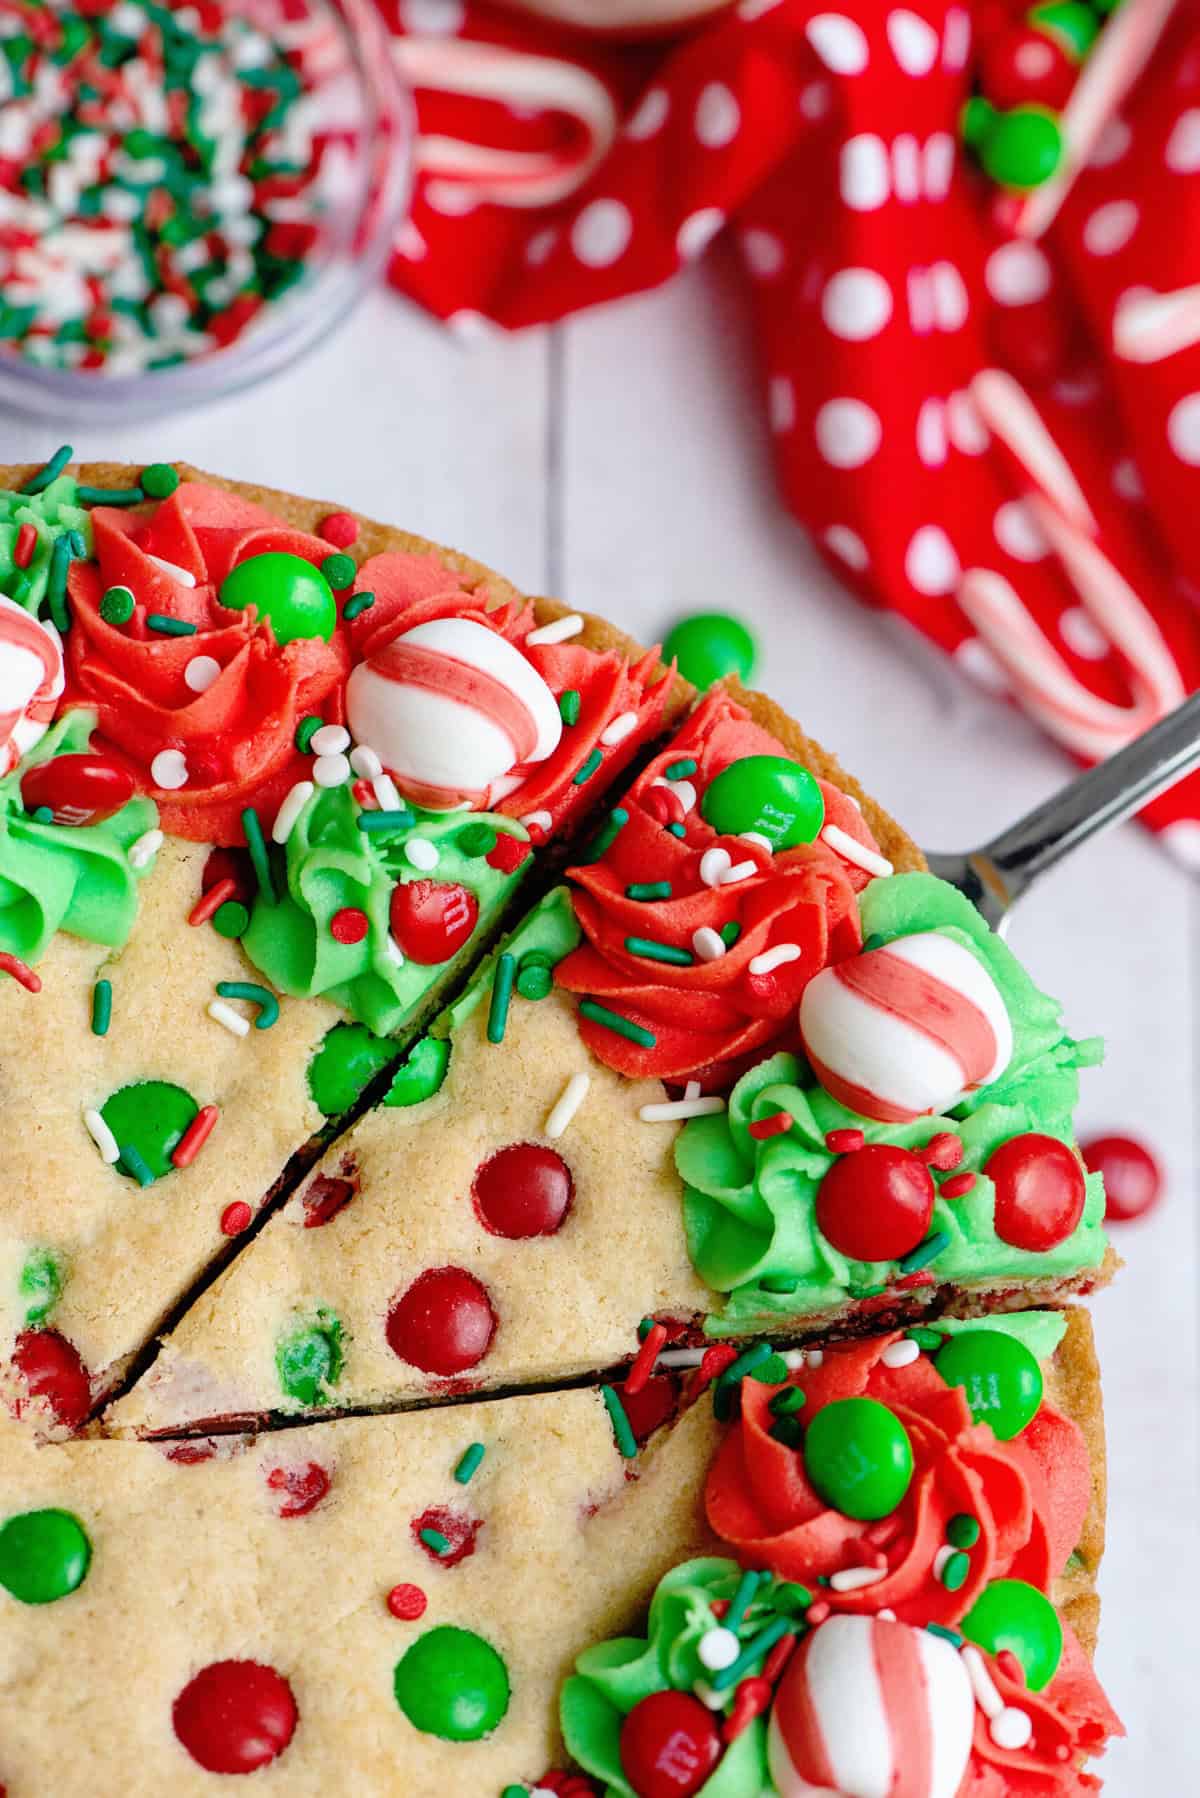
(333, 865)
(63, 877)
(749, 1206)
(52, 513)
(612, 1677)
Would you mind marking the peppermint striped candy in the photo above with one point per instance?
(31, 680)
(870, 1708)
(450, 707)
(905, 1029)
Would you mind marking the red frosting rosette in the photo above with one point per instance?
(237, 735)
(708, 1016)
(1029, 1495)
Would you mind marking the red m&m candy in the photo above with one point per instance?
(669, 1746)
(443, 1323)
(522, 1191)
(1132, 1177)
(77, 789)
(1039, 1191)
(432, 919)
(51, 1370)
(875, 1204)
(303, 1487)
(235, 1716)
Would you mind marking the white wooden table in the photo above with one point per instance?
(620, 462)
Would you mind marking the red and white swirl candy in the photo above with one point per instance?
(450, 707)
(905, 1029)
(870, 1708)
(31, 680)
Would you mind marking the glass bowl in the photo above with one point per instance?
(358, 196)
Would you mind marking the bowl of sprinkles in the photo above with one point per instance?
(191, 195)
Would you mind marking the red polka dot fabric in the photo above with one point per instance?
(985, 407)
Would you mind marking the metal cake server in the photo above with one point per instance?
(994, 876)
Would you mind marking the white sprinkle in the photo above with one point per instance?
(331, 770)
(538, 821)
(853, 1579)
(757, 837)
(294, 803)
(169, 769)
(680, 1358)
(387, 794)
(739, 871)
(683, 790)
(712, 1701)
(201, 672)
(571, 1098)
(394, 952)
(778, 957)
(692, 1090)
(858, 853)
(331, 739)
(102, 1136)
(718, 1648)
(901, 1354)
(940, 1558)
(558, 632)
(887, 1614)
(501, 788)
(814, 1357)
(795, 1359)
(176, 573)
(143, 851)
(708, 943)
(681, 1108)
(986, 1695)
(619, 729)
(225, 1014)
(421, 853)
(1012, 1728)
(364, 761)
(714, 865)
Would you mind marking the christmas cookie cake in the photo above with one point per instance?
(876, 1556)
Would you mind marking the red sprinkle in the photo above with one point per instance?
(194, 1139)
(508, 854)
(407, 1603)
(716, 1359)
(21, 972)
(958, 1186)
(844, 1142)
(908, 1282)
(235, 1218)
(211, 902)
(647, 1355)
(817, 1613)
(778, 1124)
(340, 529)
(24, 546)
(943, 1151)
(350, 925)
(779, 1657)
(749, 1701)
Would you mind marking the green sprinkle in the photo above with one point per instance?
(534, 982)
(159, 480)
(515, 1792)
(339, 571)
(755, 1649)
(626, 1441)
(588, 769)
(963, 1531)
(954, 1573)
(612, 1020)
(258, 854)
(788, 1430)
(434, 1539)
(791, 1596)
(925, 1252)
(770, 1371)
(680, 770)
(644, 1328)
(789, 1400)
(468, 1466)
(231, 919)
(56, 584)
(665, 952)
(677, 830)
(929, 1340)
(502, 986)
(306, 730)
(169, 627)
(604, 839)
(477, 839)
(747, 1361)
(359, 602)
(378, 823)
(116, 605)
(268, 1004)
(101, 1007)
(43, 815)
(868, 1292)
(948, 1635)
(134, 1164)
(50, 471)
(747, 1586)
(730, 933)
(648, 890)
(779, 1283)
(876, 940)
(109, 496)
(569, 705)
(538, 958)
(78, 546)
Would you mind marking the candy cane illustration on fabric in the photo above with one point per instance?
(31, 679)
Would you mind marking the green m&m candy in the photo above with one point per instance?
(1010, 1613)
(452, 1684)
(421, 1073)
(858, 1457)
(1023, 148)
(148, 1118)
(709, 645)
(309, 1359)
(289, 591)
(1070, 23)
(349, 1058)
(767, 794)
(1000, 1378)
(44, 1555)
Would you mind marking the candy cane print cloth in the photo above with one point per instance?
(985, 409)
